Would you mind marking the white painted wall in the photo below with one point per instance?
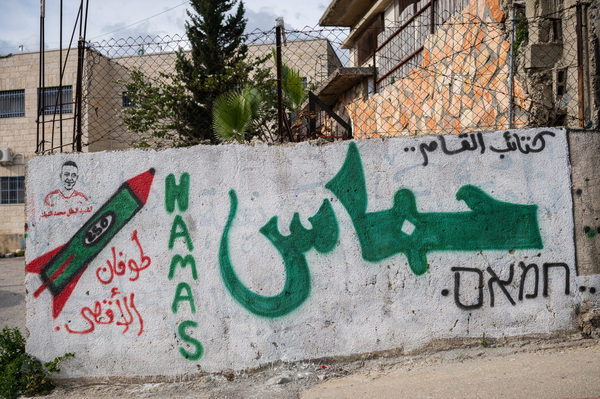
(354, 306)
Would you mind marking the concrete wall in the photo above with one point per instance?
(300, 252)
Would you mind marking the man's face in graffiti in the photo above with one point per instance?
(69, 176)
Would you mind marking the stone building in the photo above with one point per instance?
(104, 98)
(19, 78)
(414, 71)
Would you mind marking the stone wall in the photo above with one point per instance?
(459, 82)
(461, 86)
(219, 258)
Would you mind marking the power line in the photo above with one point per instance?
(138, 22)
(125, 27)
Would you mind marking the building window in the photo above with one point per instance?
(50, 102)
(367, 42)
(12, 103)
(127, 101)
(12, 190)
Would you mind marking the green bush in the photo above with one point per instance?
(21, 373)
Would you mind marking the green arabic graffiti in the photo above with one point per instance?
(323, 237)
(490, 225)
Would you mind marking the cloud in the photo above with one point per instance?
(262, 20)
(19, 20)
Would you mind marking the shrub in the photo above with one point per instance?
(21, 373)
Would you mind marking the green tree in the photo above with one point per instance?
(216, 63)
(176, 108)
(237, 113)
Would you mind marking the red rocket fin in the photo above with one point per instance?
(36, 265)
(59, 301)
(141, 184)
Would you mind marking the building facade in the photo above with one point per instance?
(443, 66)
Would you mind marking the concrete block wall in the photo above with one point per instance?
(220, 258)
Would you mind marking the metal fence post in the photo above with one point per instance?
(511, 71)
(78, 95)
(279, 82)
(580, 99)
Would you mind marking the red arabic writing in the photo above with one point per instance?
(69, 212)
(119, 268)
(95, 317)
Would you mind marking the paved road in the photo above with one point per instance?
(12, 293)
(559, 373)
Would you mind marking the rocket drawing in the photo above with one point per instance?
(61, 268)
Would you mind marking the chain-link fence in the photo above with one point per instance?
(123, 76)
(434, 67)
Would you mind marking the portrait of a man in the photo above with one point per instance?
(66, 200)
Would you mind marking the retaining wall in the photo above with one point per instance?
(230, 257)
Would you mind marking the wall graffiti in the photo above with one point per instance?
(247, 255)
(123, 318)
(323, 237)
(490, 225)
(61, 268)
(96, 317)
(66, 200)
(513, 141)
(177, 197)
(495, 281)
(118, 268)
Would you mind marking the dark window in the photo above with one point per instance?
(50, 102)
(12, 190)
(127, 102)
(12, 103)
(367, 42)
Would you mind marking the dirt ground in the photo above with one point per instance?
(564, 367)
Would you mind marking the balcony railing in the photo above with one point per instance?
(400, 48)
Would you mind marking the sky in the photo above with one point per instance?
(20, 19)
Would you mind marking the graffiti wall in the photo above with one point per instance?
(218, 258)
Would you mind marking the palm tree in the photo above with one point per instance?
(237, 113)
